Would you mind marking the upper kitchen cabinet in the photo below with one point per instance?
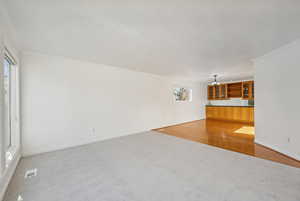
(248, 90)
(244, 90)
(252, 92)
(223, 91)
(234, 90)
(217, 92)
(210, 92)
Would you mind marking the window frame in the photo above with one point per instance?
(9, 128)
(14, 114)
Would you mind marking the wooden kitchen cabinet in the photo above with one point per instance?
(223, 91)
(234, 90)
(210, 92)
(231, 113)
(217, 92)
(248, 90)
(244, 90)
(252, 89)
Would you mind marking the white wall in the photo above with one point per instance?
(64, 99)
(277, 99)
(8, 40)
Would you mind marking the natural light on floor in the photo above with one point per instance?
(249, 130)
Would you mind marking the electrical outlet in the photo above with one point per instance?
(30, 173)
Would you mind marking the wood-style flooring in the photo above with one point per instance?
(224, 134)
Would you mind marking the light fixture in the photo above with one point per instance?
(215, 81)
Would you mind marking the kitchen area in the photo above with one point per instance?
(229, 122)
(231, 101)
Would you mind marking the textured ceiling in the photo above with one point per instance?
(180, 38)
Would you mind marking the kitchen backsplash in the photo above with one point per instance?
(232, 101)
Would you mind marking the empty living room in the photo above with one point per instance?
(127, 100)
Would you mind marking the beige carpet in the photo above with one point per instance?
(153, 167)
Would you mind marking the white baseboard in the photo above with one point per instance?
(9, 172)
(276, 148)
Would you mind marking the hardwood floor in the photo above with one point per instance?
(225, 135)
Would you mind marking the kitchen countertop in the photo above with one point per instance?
(230, 106)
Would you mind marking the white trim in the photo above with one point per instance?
(8, 47)
(2, 137)
(276, 148)
(8, 173)
(10, 56)
(13, 111)
(8, 168)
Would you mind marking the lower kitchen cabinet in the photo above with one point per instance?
(243, 114)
